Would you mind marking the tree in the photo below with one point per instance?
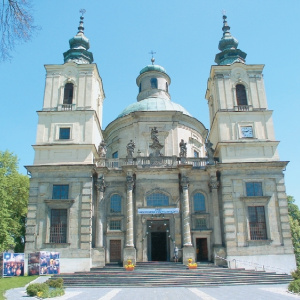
(14, 191)
(294, 216)
(16, 25)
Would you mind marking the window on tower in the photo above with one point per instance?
(68, 93)
(64, 133)
(241, 96)
(153, 83)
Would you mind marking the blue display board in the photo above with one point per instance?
(12, 264)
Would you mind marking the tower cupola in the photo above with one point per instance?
(228, 45)
(79, 46)
(153, 82)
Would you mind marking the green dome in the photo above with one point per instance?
(153, 104)
(153, 68)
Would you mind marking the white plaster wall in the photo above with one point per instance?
(285, 263)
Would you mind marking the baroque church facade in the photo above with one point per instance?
(155, 177)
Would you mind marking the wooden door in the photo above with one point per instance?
(115, 250)
(202, 251)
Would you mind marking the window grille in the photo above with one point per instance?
(257, 223)
(115, 225)
(58, 226)
(200, 223)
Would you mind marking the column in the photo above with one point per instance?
(129, 206)
(187, 239)
(99, 213)
(214, 185)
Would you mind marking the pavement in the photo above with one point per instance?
(237, 292)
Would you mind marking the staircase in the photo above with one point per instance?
(167, 274)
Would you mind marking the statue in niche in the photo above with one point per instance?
(130, 149)
(183, 149)
(210, 152)
(102, 149)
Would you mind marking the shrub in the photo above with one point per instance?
(35, 288)
(296, 274)
(55, 282)
(294, 286)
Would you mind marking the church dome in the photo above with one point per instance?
(153, 104)
(157, 68)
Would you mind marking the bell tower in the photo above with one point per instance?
(241, 126)
(69, 128)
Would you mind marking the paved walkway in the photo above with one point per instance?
(246, 292)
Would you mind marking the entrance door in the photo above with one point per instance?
(158, 240)
(202, 252)
(115, 250)
(158, 246)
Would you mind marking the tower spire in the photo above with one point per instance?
(228, 45)
(79, 45)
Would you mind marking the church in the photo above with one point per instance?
(156, 178)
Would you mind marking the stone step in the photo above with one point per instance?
(163, 274)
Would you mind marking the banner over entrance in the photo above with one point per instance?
(158, 211)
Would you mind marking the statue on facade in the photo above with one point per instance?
(130, 149)
(102, 149)
(155, 146)
(183, 149)
(210, 152)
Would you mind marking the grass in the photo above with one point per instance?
(13, 282)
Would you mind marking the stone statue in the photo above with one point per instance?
(155, 146)
(102, 149)
(210, 152)
(183, 149)
(130, 149)
(154, 137)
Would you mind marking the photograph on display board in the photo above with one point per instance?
(13, 264)
(43, 263)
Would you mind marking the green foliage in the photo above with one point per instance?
(296, 274)
(294, 286)
(13, 282)
(37, 289)
(14, 190)
(55, 282)
(42, 290)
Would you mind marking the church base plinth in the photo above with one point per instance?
(219, 256)
(187, 253)
(98, 257)
(129, 253)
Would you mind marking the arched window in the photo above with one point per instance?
(153, 83)
(157, 199)
(68, 93)
(199, 203)
(115, 203)
(140, 87)
(241, 96)
(167, 87)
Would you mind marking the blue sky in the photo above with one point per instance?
(184, 35)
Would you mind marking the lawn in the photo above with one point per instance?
(13, 282)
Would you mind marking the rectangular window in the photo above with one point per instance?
(64, 133)
(257, 223)
(60, 191)
(254, 189)
(200, 224)
(115, 225)
(58, 226)
(196, 154)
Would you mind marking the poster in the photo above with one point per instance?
(13, 264)
(43, 263)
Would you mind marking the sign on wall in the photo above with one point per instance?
(158, 211)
